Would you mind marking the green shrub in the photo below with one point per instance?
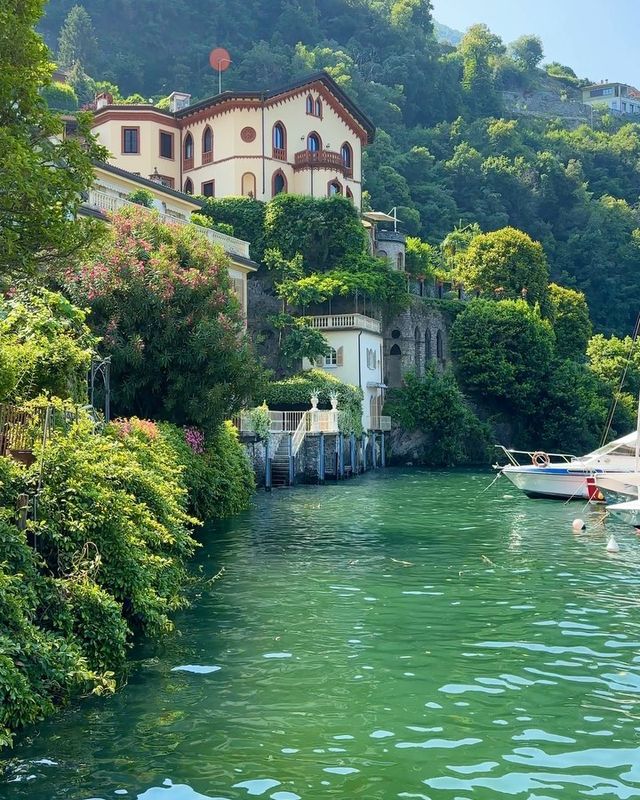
(220, 481)
(435, 406)
(60, 97)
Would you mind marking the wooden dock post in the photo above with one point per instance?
(374, 456)
(383, 455)
(292, 466)
(321, 467)
(352, 454)
(340, 443)
(267, 467)
(364, 452)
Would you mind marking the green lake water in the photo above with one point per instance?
(400, 635)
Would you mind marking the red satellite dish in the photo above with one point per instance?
(219, 59)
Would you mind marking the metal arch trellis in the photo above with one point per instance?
(101, 370)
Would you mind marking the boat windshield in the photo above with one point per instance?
(625, 446)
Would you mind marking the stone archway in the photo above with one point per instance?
(395, 367)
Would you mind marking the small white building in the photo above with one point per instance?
(355, 358)
(617, 97)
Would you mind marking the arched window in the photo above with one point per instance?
(334, 187)
(417, 362)
(346, 153)
(318, 107)
(394, 365)
(427, 346)
(313, 143)
(188, 186)
(309, 104)
(349, 193)
(400, 261)
(188, 151)
(249, 184)
(279, 183)
(207, 146)
(279, 141)
(439, 347)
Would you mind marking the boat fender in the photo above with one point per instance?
(578, 525)
(612, 545)
(540, 459)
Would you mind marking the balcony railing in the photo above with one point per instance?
(207, 158)
(112, 202)
(342, 321)
(280, 153)
(187, 163)
(321, 159)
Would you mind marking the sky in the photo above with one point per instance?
(598, 39)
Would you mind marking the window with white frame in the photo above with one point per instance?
(331, 359)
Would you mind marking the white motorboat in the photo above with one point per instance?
(628, 512)
(567, 477)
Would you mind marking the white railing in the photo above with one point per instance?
(338, 321)
(112, 202)
(291, 421)
(377, 423)
(300, 432)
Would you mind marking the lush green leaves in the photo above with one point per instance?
(160, 297)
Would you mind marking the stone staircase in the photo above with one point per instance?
(280, 463)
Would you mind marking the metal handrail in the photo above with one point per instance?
(510, 453)
(300, 432)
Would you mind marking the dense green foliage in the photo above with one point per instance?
(435, 406)
(220, 479)
(569, 316)
(505, 264)
(37, 202)
(160, 298)
(525, 375)
(45, 346)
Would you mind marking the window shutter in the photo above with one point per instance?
(340, 356)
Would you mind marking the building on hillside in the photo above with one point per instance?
(111, 190)
(305, 138)
(389, 244)
(618, 97)
(355, 357)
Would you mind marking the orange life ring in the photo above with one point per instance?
(540, 459)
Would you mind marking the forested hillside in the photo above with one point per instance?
(447, 151)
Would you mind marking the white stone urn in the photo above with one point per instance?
(314, 402)
(333, 397)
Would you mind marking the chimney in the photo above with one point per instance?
(178, 101)
(103, 99)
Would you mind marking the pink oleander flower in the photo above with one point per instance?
(195, 439)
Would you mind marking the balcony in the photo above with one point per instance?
(104, 201)
(341, 322)
(187, 164)
(207, 158)
(280, 153)
(321, 159)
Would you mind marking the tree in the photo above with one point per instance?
(77, 42)
(527, 51)
(503, 351)
(60, 97)
(569, 315)
(477, 47)
(505, 264)
(42, 176)
(160, 297)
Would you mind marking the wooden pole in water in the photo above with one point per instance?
(352, 453)
(267, 467)
(340, 456)
(374, 455)
(364, 452)
(292, 468)
(321, 459)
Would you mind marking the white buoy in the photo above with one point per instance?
(578, 525)
(612, 545)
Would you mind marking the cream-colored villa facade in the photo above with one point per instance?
(305, 138)
(111, 189)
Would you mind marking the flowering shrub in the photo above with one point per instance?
(125, 427)
(195, 439)
(160, 298)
